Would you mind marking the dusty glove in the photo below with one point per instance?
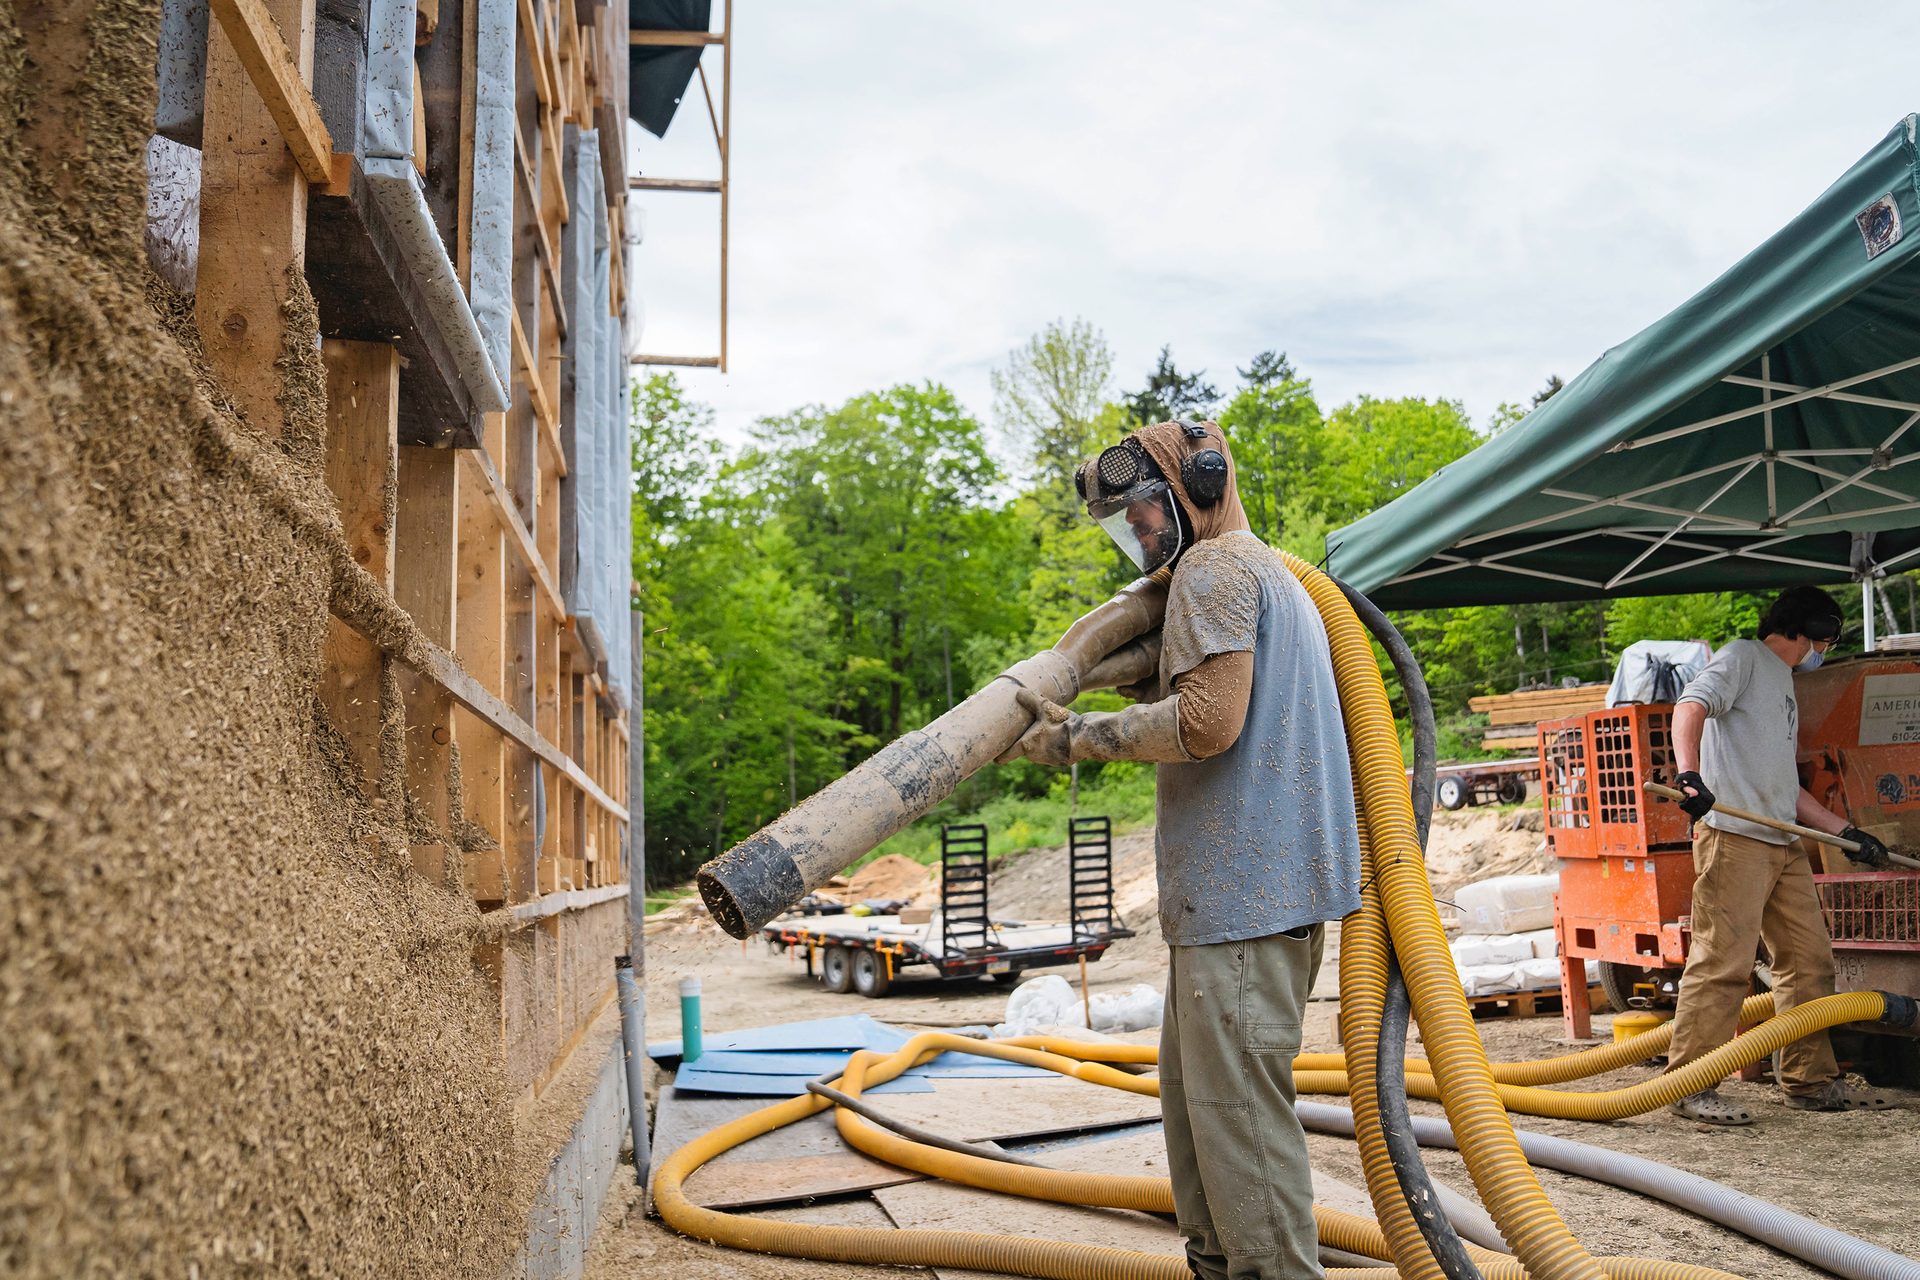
(1060, 737)
(1872, 852)
(1700, 803)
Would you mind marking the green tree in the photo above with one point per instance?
(1048, 399)
(888, 499)
(1170, 394)
(1376, 450)
(1278, 439)
(1716, 617)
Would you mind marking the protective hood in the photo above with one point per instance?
(1168, 446)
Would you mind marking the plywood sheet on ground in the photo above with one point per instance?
(804, 1160)
(979, 1109)
(947, 1206)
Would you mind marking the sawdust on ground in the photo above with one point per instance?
(238, 1036)
(1792, 1158)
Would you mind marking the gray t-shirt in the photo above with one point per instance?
(1260, 838)
(1749, 751)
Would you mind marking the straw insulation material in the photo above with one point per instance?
(237, 1035)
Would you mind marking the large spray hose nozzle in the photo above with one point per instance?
(799, 851)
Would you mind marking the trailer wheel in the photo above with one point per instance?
(870, 976)
(1010, 978)
(1452, 792)
(1512, 789)
(836, 970)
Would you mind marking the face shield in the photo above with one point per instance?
(1129, 498)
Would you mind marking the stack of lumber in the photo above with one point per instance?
(1513, 717)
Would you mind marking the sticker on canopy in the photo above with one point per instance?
(1879, 225)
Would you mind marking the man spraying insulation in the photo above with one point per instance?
(1736, 730)
(1256, 844)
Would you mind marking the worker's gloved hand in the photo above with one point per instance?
(1700, 802)
(1049, 739)
(1872, 852)
(1059, 737)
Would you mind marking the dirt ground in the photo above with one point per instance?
(1837, 1169)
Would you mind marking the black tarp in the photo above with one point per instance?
(658, 75)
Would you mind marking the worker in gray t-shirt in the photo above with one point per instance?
(1256, 843)
(1736, 738)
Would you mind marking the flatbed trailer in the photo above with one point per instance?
(961, 940)
(866, 953)
(1459, 786)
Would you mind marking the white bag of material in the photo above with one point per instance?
(1135, 1009)
(1046, 1001)
(1495, 948)
(1507, 904)
(1488, 979)
(1538, 975)
(1545, 946)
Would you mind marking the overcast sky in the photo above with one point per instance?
(1434, 199)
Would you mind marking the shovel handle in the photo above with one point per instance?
(1792, 828)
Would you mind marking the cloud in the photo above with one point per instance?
(1443, 199)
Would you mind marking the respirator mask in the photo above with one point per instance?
(1128, 496)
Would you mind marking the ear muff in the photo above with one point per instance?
(1204, 474)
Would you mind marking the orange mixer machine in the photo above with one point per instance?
(1626, 859)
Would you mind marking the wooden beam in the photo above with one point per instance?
(680, 362)
(253, 222)
(424, 525)
(536, 53)
(362, 460)
(537, 389)
(711, 185)
(482, 474)
(280, 80)
(680, 39)
(469, 693)
(480, 590)
(549, 264)
(361, 465)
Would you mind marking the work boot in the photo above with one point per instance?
(1708, 1107)
(1835, 1095)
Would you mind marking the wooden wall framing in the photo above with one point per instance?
(469, 540)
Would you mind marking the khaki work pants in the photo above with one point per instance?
(1242, 1189)
(1746, 891)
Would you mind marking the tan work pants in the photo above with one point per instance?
(1242, 1188)
(1746, 891)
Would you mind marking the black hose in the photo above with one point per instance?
(823, 1085)
(1396, 1119)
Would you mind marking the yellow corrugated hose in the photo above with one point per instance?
(1397, 907)
(1702, 1073)
(1573, 1066)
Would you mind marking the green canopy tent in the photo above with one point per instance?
(1764, 433)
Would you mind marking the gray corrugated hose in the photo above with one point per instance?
(1822, 1246)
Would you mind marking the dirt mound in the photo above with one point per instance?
(1466, 845)
(889, 876)
(237, 1034)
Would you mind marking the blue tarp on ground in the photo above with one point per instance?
(779, 1060)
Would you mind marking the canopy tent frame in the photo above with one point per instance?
(1757, 436)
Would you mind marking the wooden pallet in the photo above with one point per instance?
(1529, 1004)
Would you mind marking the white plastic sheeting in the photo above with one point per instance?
(600, 478)
(173, 212)
(490, 227)
(386, 158)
